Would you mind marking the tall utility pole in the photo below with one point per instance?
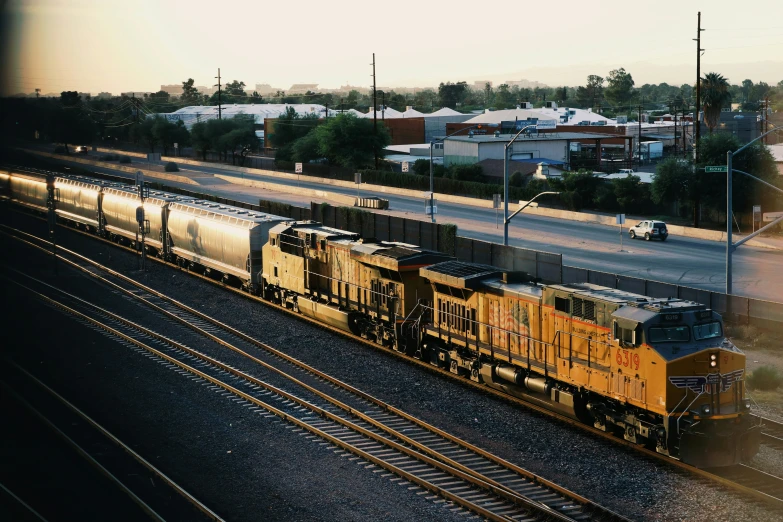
(766, 119)
(220, 107)
(639, 141)
(697, 121)
(675, 129)
(374, 112)
(135, 103)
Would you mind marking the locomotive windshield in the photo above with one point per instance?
(707, 330)
(670, 334)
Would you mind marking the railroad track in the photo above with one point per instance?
(101, 449)
(728, 482)
(399, 443)
(772, 433)
(750, 477)
(421, 453)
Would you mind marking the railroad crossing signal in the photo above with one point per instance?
(718, 168)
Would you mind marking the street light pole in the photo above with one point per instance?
(505, 182)
(729, 212)
(730, 247)
(432, 185)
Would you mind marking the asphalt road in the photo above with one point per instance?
(684, 261)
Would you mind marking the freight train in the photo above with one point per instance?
(657, 372)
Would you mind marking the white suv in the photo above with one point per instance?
(649, 230)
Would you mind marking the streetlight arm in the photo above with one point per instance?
(523, 129)
(748, 144)
(528, 203)
(757, 232)
(770, 185)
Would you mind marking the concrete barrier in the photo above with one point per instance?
(278, 187)
(583, 217)
(114, 166)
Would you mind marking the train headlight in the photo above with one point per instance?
(713, 364)
(746, 404)
(706, 409)
(713, 357)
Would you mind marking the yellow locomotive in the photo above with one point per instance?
(658, 371)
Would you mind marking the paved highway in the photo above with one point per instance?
(684, 261)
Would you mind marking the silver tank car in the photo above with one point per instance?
(119, 211)
(221, 237)
(77, 200)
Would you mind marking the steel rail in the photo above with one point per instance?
(589, 506)
(83, 453)
(515, 499)
(116, 441)
(532, 477)
(530, 404)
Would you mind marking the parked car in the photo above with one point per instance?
(625, 171)
(82, 149)
(649, 230)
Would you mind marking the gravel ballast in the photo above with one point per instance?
(612, 475)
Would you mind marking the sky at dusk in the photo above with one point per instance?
(114, 46)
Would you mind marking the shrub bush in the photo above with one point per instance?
(765, 378)
(171, 167)
(125, 159)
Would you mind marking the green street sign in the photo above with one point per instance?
(719, 168)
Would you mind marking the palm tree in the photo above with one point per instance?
(715, 94)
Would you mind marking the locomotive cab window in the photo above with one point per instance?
(670, 334)
(709, 330)
(625, 336)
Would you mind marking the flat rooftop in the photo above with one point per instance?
(549, 136)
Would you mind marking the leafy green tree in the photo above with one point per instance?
(756, 160)
(715, 95)
(168, 133)
(674, 181)
(619, 89)
(288, 128)
(503, 97)
(449, 94)
(421, 167)
(235, 88)
(592, 93)
(144, 132)
(190, 95)
(630, 193)
(473, 172)
(576, 188)
(747, 87)
(349, 141)
(240, 139)
(305, 149)
(489, 96)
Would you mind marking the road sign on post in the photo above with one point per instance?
(756, 216)
(430, 206)
(620, 219)
(405, 166)
(717, 168)
(298, 168)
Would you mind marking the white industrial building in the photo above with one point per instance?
(194, 114)
(554, 148)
